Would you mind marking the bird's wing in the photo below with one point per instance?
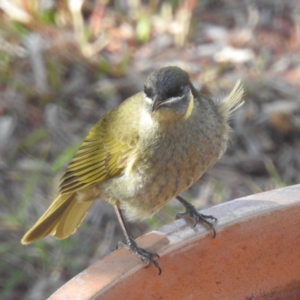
(104, 152)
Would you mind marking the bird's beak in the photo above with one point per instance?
(156, 104)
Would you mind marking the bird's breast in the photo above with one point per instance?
(166, 161)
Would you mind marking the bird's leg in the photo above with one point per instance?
(192, 213)
(144, 255)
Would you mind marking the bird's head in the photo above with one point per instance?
(169, 94)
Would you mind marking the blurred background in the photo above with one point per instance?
(64, 63)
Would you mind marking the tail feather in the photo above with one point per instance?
(233, 101)
(61, 219)
(71, 219)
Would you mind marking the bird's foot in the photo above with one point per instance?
(144, 255)
(191, 212)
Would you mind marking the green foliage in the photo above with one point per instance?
(33, 138)
(5, 64)
(274, 175)
(143, 29)
(18, 28)
(103, 66)
(46, 17)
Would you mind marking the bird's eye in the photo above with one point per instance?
(177, 92)
(181, 90)
(148, 92)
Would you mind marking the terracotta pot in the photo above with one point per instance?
(255, 255)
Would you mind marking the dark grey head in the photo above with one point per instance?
(168, 89)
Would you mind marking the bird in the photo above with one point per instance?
(140, 155)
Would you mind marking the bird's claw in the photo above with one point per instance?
(144, 255)
(191, 212)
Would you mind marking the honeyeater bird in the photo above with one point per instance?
(142, 154)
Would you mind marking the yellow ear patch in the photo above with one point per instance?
(190, 107)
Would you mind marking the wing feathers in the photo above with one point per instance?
(105, 150)
(102, 155)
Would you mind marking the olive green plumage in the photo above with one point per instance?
(142, 153)
(102, 155)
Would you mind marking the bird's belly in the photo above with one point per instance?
(167, 182)
(150, 181)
